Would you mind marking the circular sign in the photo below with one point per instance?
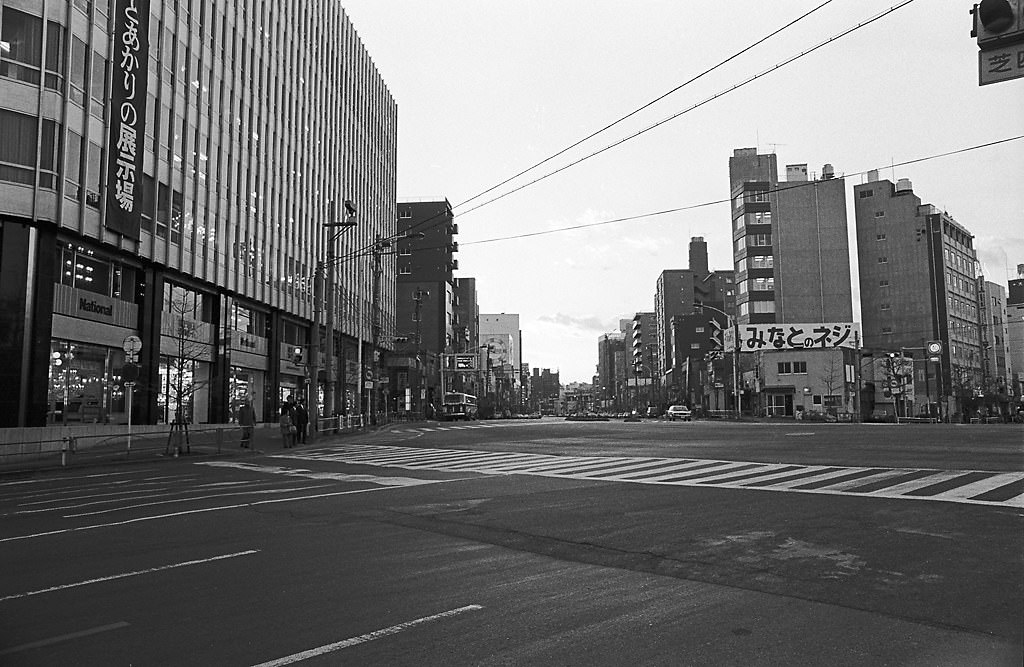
(130, 372)
(132, 345)
(934, 347)
(369, 374)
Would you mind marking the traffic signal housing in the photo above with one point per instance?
(998, 21)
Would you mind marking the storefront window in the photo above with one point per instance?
(82, 269)
(177, 389)
(245, 383)
(85, 384)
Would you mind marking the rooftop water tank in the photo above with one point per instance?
(828, 172)
(903, 185)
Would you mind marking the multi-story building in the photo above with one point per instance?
(677, 294)
(918, 283)
(995, 351)
(792, 261)
(502, 339)
(645, 353)
(611, 376)
(790, 247)
(467, 335)
(1015, 334)
(545, 389)
(424, 303)
(165, 192)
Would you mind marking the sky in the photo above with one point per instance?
(486, 90)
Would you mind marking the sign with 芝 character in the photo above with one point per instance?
(826, 335)
(1000, 63)
(130, 56)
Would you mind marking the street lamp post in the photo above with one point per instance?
(330, 293)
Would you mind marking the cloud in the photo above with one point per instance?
(590, 323)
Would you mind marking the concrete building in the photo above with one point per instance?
(1015, 334)
(790, 247)
(545, 390)
(174, 191)
(424, 304)
(612, 377)
(501, 335)
(918, 283)
(792, 261)
(996, 377)
(677, 293)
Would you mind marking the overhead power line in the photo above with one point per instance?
(737, 86)
(422, 223)
(780, 188)
(645, 106)
(433, 221)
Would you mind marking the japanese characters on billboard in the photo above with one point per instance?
(766, 337)
(130, 57)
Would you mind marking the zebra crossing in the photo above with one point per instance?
(978, 487)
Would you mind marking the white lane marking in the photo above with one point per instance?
(368, 637)
(312, 474)
(62, 479)
(185, 499)
(98, 580)
(203, 510)
(147, 496)
(63, 638)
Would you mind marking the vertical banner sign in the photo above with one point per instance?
(130, 55)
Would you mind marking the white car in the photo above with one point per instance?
(679, 412)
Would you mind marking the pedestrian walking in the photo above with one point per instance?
(301, 415)
(247, 420)
(287, 425)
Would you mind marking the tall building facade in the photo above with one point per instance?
(790, 248)
(169, 184)
(996, 377)
(679, 325)
(502, 339)
(918, 283)
(1015, 334)
(424, 303)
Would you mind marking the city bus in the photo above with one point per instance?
(458, 406)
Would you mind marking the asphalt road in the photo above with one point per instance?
(538, 542)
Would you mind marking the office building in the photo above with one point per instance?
(168, 197)
(918, 283)
(424, 303)
(502, 338)
(790, 247)
(678, 292)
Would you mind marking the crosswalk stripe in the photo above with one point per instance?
(961, 486)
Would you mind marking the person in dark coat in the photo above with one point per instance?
(301, 417)
(247, 420)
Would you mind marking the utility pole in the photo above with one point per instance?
(330, 293)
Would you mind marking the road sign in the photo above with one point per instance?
(130, 372)
(132, 345)
(1000, 63)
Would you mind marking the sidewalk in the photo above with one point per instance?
(223, 442)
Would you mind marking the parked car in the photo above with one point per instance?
(653, 411)
(679, 412)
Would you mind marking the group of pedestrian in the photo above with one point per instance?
(294, 422)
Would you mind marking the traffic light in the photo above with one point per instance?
(297, 355)
(998, 21)
(717, 335)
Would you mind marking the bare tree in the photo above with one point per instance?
(833, 376)
(191, 344)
